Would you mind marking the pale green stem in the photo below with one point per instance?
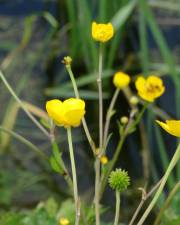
(129, 127)
(111, 165)
(23, 106)
(25, 141)
(90, 140)
(109, 115)
(167, 202)
(116, 220)
(73, 167)
(172, 164)
(97, 163)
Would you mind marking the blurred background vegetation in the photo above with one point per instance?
(35, 35)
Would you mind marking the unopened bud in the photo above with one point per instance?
(67, 60)
(124, 119)
(134, 100)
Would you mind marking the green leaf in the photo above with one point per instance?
(122, 15)
(55, 165)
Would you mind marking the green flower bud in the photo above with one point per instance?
(119, 180)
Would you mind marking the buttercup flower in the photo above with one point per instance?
(121, 80)
(102, 32)
(149, 89)
(67, 113)
(171, 126)
(63, 221)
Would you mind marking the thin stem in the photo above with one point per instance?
(109, 115)
(145, 196)
(22, 105)
(99, 82)
(73, 167)
(97, 190)
(172, 164)
(116, 220)
(167, 202)
(129, 127)
(76, 92)
(25, 141)
(97, 163)
(111, 164)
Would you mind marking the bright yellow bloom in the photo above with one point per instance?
(171, 126)
(104, 159)
(149, 89)
(63, 221)
(121, 80)
(102, 32)
(67, 113)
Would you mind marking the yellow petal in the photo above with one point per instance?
(55, 111)
(140, 84)
(171, 126)
(74, 110)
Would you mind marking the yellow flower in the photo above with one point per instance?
(149, 89)
(121, 80)
(171, 126)
(104, 159)
(102, 32)
(67, 113)
(63, 221)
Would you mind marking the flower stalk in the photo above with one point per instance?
(97, 162)
(172, 164)
(73, 167)
(76, 92)
(116, 220)
(109, 114)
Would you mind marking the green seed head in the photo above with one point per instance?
(119, 180)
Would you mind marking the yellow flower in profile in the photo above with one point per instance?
(68, 113)
(171, 126)
(121, 80)
(102, 32)
(104, 159)
(149, 89)
(63, 221)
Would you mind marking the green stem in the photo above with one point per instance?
(73, 167)
(129, 127)
(97, 190)
(22, 105)
(76, 92)
(116, 220)
(97, 163)
(111, 164)
(172, 164)
(109, 115)
(25, 141)
(167, 202)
